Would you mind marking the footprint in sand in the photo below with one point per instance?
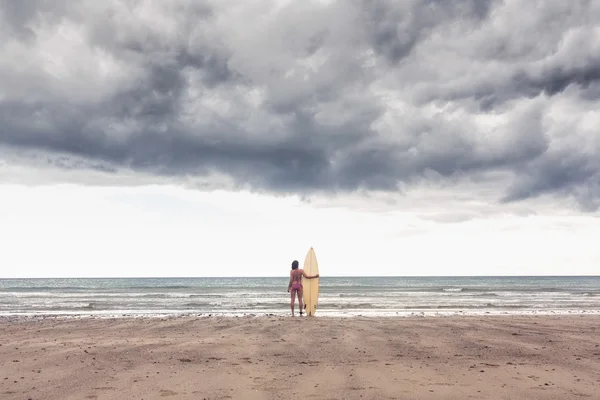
(167, 393)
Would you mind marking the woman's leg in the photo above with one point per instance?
(300, 300)
(292, 294)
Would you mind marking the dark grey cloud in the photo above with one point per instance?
(18, 16)
(559, 78)
(563, 173)
(311, 96)
(394, 29)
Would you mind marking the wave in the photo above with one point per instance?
(47, 288)
(467, 290)
(158, 287)
(207, 290)
(93, 288)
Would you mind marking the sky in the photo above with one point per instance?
(226, 138)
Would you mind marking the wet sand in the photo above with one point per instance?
(277, 357)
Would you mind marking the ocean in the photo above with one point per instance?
(339, 296)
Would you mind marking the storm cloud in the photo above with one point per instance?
(311, 96)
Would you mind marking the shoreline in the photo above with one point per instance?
(280, 357)
(322, 314)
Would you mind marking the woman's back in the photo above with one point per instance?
(297, 275)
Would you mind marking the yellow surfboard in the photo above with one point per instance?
(310, 287)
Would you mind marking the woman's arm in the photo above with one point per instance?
(308, 276)
(290, 284)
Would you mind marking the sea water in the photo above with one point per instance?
(339, 296)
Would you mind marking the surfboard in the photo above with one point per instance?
(310, 287)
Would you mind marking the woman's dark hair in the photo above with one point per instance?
(295, 264)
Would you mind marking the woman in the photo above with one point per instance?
(296, 284)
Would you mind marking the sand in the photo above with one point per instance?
(526, 357)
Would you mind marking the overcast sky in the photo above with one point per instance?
(195, 138)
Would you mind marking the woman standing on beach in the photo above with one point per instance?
(296, 284)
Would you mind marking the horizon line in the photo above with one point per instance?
(285, 277)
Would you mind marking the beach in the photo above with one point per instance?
(283, 357)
